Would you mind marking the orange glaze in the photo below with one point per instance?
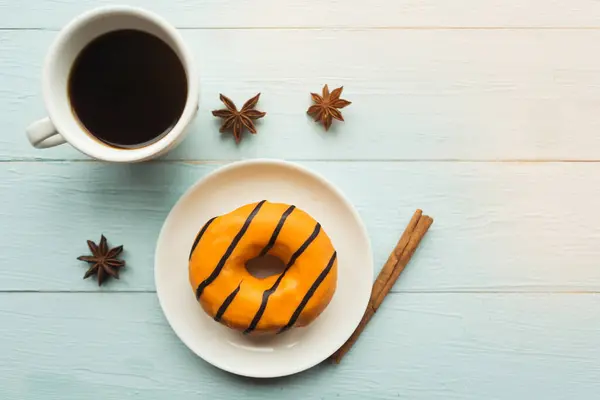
(232, 296)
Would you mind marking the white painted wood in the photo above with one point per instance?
(319, 13)
(501, 299)
(418, 346)
(499, 227)
(425, 95)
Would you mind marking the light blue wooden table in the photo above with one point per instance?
(485, 113)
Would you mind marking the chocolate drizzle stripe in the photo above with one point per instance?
(227, 302)
(228, 252)
(267, 293)
(309, 294)
(273, 239)
(204, 228)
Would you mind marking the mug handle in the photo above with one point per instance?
(42, 134)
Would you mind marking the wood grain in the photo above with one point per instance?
(432, 95)
(420, 346)
(499, 227)
(315, 13)
(461, 103)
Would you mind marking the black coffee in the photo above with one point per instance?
(128, 88)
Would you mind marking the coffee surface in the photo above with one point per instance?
(128, 88)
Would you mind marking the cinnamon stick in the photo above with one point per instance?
(395, 264)
(388, 267)
(414, 241)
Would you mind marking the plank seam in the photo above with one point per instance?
(353, 28)
(397, 292)
(341, 160)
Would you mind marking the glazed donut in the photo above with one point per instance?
(232, 296)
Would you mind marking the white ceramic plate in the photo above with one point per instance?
(224, 190)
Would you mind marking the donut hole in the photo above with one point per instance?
(265, 266)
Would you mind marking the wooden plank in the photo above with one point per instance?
(477, 95)
(499, 226)
(314, 13)
(418, 346)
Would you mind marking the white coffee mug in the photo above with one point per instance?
(62, 126)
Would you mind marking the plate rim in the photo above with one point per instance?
(277, 163)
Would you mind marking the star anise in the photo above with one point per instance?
(238, 120)
(327, 107)
(104, 261)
